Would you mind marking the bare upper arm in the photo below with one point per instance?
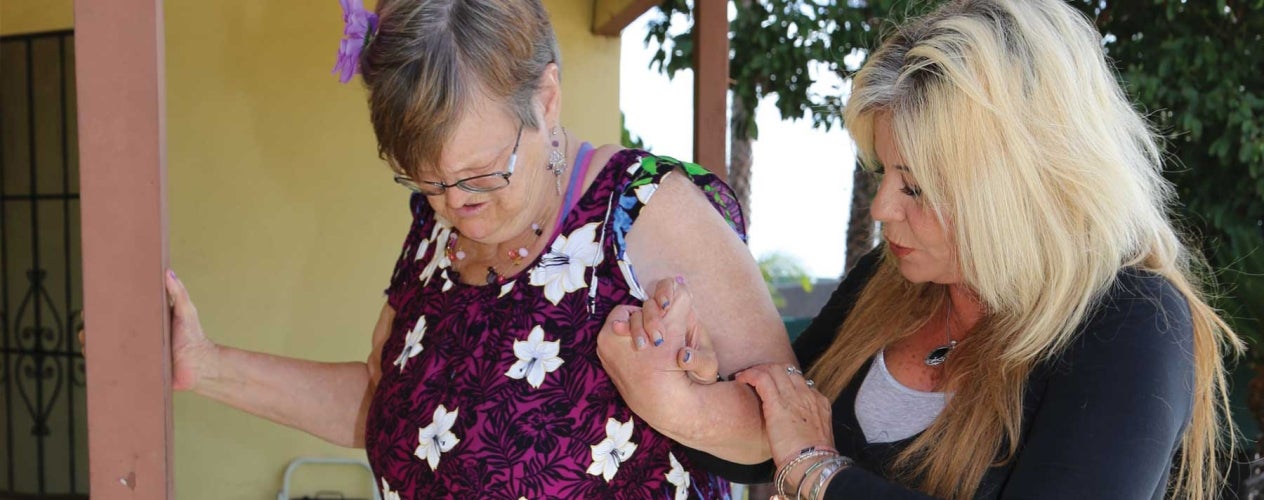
(680, 234)
(381, 331)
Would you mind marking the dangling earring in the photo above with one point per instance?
(557, 158)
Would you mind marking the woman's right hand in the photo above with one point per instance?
(192, 354)
(796, 415)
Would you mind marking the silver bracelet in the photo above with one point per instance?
(798, 491)
(803, 455)
(837, 464)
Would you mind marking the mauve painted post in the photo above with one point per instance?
(711, 84)
(122, 134)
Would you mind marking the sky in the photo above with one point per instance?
(801, 177)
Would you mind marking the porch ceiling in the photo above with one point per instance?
(611, 16)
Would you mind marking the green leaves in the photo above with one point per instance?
(1199, 63)
(776, 45)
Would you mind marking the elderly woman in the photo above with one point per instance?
(1032, 327)
(484, 380)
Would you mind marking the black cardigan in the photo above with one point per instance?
(1102, 421)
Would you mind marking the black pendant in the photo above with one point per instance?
(940, 354)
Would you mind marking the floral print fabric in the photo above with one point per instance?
(496, 391)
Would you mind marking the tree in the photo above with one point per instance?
(779, 269)
(626, 138)
(1195, 67)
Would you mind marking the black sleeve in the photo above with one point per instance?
(855, 482)
(1113, 411)
(814, 340)
(1117, 402)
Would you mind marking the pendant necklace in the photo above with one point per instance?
(516, 256)
(938, 355)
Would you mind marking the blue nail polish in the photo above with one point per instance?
(688, 355)
(640, 342)
(658, 342)
(666, 303)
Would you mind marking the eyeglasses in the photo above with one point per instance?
(485, 183)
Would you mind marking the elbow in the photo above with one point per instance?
(722, 436)
(347, 441)
(343, 438)
(356, 441)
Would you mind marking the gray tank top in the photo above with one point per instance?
(888, 411)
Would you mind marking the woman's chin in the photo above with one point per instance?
(473, 230)
(913, 274)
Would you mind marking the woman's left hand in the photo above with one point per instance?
(795, 414)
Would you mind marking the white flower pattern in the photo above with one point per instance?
(536, 357)
(437, 438)
(437, 241)
(447, 282)
(629, 277)
(387, 494)
(679, 477)
(615, 449)
(412, 343)
(562, 269)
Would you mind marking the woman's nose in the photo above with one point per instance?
(455, 197)
(886, 205)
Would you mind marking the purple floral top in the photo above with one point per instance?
(496, 391)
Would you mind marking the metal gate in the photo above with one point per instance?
(43, 428)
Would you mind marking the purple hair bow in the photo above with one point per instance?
(359, 30)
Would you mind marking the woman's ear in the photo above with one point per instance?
(549, 95)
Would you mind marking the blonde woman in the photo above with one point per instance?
(1034, 326)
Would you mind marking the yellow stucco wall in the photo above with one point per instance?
(284, 224)
(30, 16)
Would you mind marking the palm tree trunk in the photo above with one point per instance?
(860, 228)
(740, 158)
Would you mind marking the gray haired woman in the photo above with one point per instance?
(484, 379)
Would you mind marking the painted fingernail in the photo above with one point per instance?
(688, 355)
(640, 342)
(666, 302)
(172, 272)
(658, 339)
(680, 280)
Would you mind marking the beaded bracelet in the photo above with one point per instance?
(837, 464)
(803, 455)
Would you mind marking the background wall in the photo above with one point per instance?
(29, 16)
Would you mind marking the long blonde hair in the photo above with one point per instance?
(1013, 124)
